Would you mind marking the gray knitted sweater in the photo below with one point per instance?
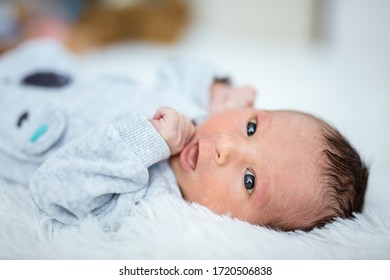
(48, 103)
(103, 174)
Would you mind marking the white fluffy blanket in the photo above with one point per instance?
(169, 228)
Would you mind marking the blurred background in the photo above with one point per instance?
(86, 24)
(326, 57)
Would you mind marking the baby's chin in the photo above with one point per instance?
(180, 176)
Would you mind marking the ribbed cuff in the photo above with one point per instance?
(143, 139)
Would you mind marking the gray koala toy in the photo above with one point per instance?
(47, 99)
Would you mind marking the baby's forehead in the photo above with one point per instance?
(299, 122)
(296, 115)
(297, 142)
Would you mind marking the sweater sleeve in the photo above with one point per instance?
(191, 77)
(87, 176)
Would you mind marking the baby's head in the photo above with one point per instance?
(282, 169)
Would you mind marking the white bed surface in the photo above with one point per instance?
(167, 228)
(348, 90)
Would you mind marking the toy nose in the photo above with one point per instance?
(46, 79)
(39, 132)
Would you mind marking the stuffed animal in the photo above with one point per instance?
(47, 100)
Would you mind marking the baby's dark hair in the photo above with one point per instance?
(344, 177)
(343, 182)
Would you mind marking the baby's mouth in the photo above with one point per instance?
(189, 156)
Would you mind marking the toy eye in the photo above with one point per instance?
(23, 117)
(251, 127)
(249, 181)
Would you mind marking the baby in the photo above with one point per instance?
(282, 169)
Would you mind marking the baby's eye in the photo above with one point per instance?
(249, 181)
(251, 127)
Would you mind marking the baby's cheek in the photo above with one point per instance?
(222, 186)
(260, 195)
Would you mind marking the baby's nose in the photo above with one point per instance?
(225, 148)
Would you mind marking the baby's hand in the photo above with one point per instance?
(225, 97)
(176, 129)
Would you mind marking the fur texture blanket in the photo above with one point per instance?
(169, 228)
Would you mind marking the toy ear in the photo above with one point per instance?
(46, 79)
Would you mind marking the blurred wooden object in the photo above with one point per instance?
(99, 22)
(151, 20)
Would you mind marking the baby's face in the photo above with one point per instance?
(251, 164)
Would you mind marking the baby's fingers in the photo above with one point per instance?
(166, 120)
(189, 129)
(167, 113)
(249, 96)
(241, 98)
